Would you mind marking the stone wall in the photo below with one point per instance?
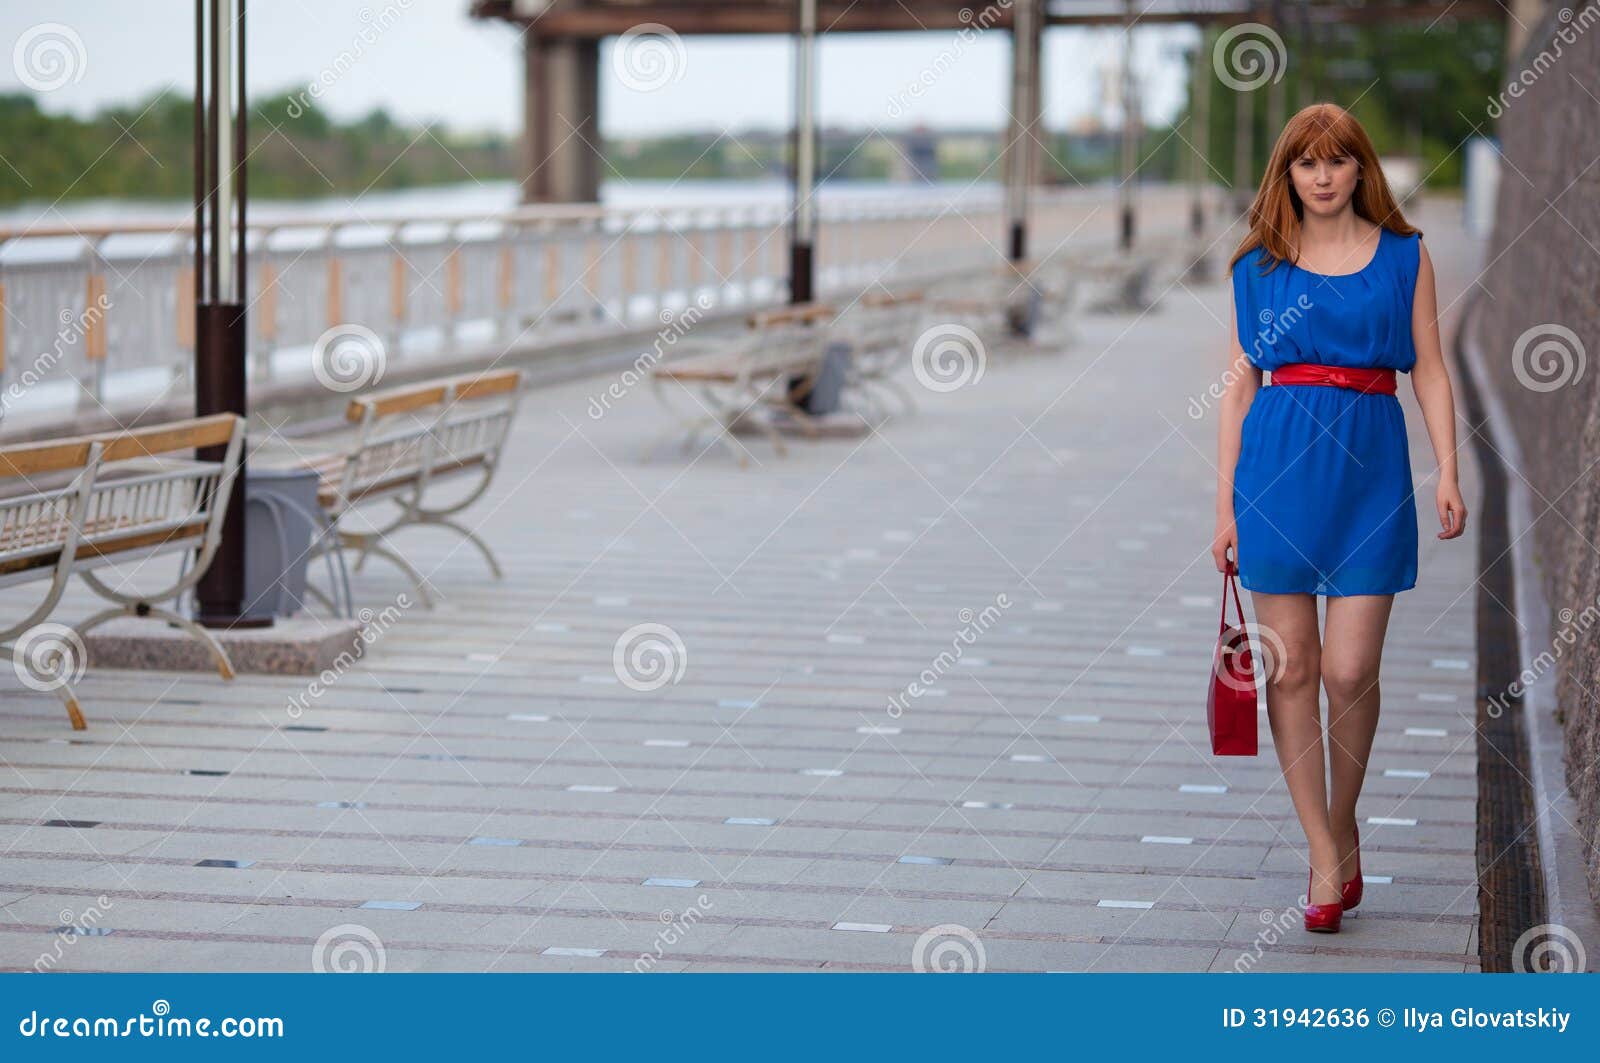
(1539, 328)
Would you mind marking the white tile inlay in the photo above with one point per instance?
(675, 883)
(604, 680)
(667, 743)
(749, 821)
(1376, 880)
(1196, 601)
(935, 861)
(392, 906)
(735, 703)
(1001, 805)
(551, 627)
(973, 662)
(875, 730)
(585, 788)
(1048, 607)
(864, 928)
(825, 773)
(846, 640)
(484, 839)
(1426, 732)
(1078, 717)
(1028, 758)
(1166, 839)
(1432, 695)
(483, 658)
(1450, 664)
(560, 950)
(1390, 821)
(528, 717)
(1125, 904)
(1202, 788)
(1405, 773)
(1146, 651)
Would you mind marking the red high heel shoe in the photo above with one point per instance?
(1350, 892)
(1322, 918)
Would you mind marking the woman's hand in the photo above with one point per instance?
(1452, 511)
(1225, 539)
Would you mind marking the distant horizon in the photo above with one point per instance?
(433, 63)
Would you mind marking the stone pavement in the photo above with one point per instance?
(932, 697)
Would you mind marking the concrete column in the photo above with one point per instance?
(561, 120)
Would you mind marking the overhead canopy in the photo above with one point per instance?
(605, 18)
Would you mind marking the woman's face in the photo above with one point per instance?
(1324, 185)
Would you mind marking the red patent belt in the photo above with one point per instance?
(1370, 381)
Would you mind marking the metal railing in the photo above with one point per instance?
(91, 312)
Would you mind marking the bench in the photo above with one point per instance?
(399, 447)
(87, 504)
(768, 366)
(882, 329)
(1013, 299)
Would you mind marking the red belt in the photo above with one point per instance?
(1370, 381)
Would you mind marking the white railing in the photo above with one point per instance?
(90, 313)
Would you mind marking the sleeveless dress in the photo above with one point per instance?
(1322, 492)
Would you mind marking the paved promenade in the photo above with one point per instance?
(934, 697)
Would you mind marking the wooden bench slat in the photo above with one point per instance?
(34, 459)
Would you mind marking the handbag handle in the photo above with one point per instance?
(1228, 581)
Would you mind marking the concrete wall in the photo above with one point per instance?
(1539, 326)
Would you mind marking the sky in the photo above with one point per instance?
(427, 60)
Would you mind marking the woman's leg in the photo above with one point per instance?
(1288, 625)
(1352, 647)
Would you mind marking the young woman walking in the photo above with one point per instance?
(1333, 295)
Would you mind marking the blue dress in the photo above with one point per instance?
(1322, 492)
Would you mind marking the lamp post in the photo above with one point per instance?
(219, 270)
(803, 220)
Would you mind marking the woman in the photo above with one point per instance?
(1333, 295)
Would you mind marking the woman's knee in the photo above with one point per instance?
(1294, 668)
(1346, 679)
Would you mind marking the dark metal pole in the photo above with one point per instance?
(1024, 123)
(220, 321)
(803, 224)
(1131, 120)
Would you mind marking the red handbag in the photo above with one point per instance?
(1231, 706)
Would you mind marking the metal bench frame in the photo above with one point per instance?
(407, 441)
(129, 499)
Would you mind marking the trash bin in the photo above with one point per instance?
(281, 519)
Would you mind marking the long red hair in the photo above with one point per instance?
(1321, 131)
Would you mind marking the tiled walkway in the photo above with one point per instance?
(485, 793)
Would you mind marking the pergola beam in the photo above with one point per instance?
(608, 18)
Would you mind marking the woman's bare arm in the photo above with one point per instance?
(1240, 381)
(1430, 380)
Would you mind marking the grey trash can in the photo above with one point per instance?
(281, 519)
